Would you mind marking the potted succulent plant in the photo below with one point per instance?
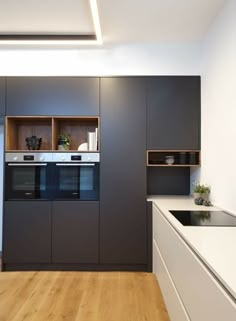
(64, 142)
(201, 191)
(205, 191)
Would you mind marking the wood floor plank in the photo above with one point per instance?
(30, 308)
(14, 290)
(80, 296)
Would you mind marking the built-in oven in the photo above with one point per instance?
(76, 176)
(28, 176)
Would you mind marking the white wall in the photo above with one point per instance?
(219, 109)
(148, 59)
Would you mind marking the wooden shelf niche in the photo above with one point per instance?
(182, 158)
(19, 128)
(76, 127)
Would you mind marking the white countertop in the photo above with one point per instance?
(216, 246)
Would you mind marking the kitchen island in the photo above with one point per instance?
(195, 265)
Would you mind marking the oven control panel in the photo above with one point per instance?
(28, 157)
(76, 157)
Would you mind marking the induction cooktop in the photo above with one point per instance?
(204, 218)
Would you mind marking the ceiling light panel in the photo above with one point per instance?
(64, 22)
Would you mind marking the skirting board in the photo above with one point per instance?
(76, 267)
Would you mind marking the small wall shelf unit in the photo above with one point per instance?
(181, 158)
(18, 128)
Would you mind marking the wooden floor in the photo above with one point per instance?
(80, 296)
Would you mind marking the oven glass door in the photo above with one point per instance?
(27, 181)
(77, 181)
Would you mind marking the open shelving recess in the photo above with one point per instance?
(156, 158)
(18, 128)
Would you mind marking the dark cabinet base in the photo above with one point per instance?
(75, 227)
(27, 232)
(76, 267)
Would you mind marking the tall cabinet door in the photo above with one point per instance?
(27, 232)
(173, 112)
(52, 96)
(2, 96)
(123, 171)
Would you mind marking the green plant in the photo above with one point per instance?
(205, 189)
(64, 139)
(196, 187)
(201, 188)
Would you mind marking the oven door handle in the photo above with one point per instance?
(83, 164)
(27, 164)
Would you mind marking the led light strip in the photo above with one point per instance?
(96, 21)
(50, 39)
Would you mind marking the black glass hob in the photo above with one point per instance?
(204, 218)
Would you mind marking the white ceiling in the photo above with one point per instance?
(45, 16)
(122, 21)
(156, 20)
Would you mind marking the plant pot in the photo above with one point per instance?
(196, 195)
(205, 196)
(63, 147)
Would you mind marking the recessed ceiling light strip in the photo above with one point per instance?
(56, 39)
(96, 20)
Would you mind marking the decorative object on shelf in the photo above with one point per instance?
(169, 160)
(198, 201)
(176, 158)
(96, 138)
(182, 158)
(192, 158)
(207, 203)
(155, 161)
(64, 142)
(201, 201)
(33, 143)
(201, 191)
(83, 147)
(92, 141)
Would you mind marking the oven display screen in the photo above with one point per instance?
(28, 157)
(76, 158)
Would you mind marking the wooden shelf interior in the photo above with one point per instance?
(49, 129)
(19, 128)
(182, 158)
(76, 128)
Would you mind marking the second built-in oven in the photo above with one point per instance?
(76, 176)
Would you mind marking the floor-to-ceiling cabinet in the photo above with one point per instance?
(123, 171)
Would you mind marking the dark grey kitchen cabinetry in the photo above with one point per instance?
(123, 171)
(2, 96)
(52, 96)
(173, 112)
(27, 232)
(75, 232)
